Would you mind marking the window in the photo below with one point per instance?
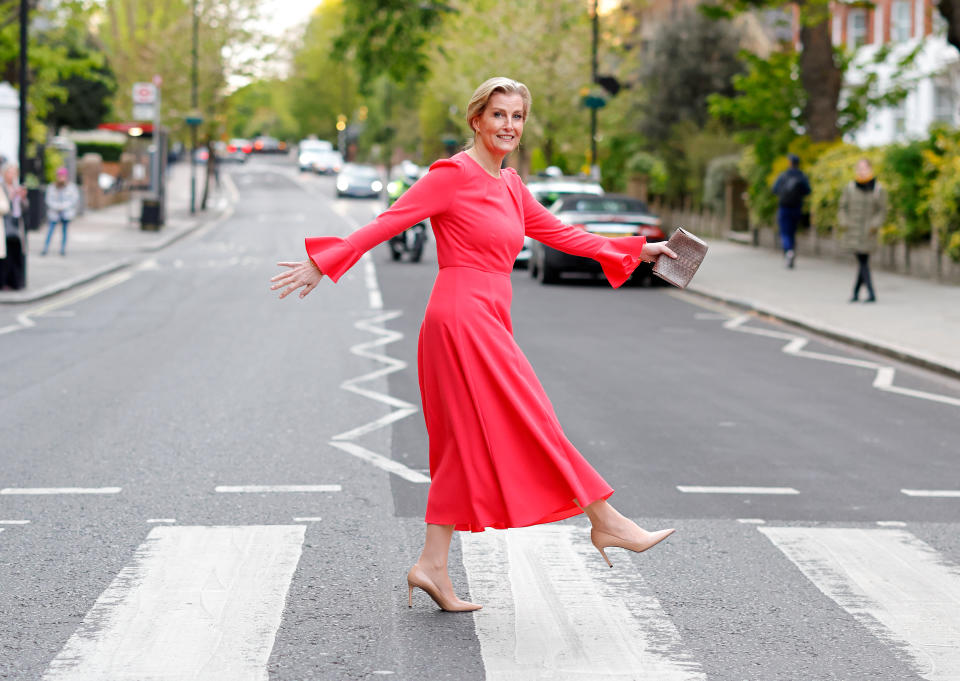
(856, 28)
(900, 120)
(900, 21)
(943, 106)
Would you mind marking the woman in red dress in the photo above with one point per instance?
(498, 456)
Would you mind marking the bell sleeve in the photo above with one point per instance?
(431, 195)
(618, 257)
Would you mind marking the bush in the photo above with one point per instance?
(644, 163)
(107, 150)
(907, 180)
(942, 196)
(719, 171)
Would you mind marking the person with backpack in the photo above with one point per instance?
(791, 187)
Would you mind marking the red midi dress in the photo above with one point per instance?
(498, 456)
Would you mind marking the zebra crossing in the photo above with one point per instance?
(206, 602)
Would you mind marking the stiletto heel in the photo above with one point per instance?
(417, 579)
(603, 540)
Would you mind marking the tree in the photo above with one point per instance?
(819, 69)
(691, 58)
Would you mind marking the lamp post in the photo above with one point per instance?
(22, 147)
(194, 122)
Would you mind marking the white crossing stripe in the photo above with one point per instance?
(948, 493)
(14, 522)
(698, 489)
(196, 603)
(897, 586)
(553, 611)
(60, 490)
(278, 488)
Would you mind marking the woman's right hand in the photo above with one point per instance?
(305, 274)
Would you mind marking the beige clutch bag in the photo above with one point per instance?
(690, 252)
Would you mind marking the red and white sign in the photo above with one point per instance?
(144, 93)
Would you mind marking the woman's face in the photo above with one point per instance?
(500, 125)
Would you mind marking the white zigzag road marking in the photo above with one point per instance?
(795, 344)
(343, 441)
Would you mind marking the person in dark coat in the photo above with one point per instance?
(862, 211)
(791, 187)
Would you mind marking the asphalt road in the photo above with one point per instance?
(185, 375)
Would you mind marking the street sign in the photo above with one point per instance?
(144, 112)
(144, 93)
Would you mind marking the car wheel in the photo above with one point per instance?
(547, 273)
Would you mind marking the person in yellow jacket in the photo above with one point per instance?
(863, 209)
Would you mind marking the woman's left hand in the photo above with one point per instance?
(652, 250)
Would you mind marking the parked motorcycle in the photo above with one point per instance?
(411, 241)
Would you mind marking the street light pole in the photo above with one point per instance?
(22, 146)
(593, 81)
(194, 104)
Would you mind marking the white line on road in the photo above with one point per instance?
(891, 523)
(699, 489)
(895, 585)
(277, 488)
(309, 519)
(196, 603)
(381, 462)
(795, 344)
(946, 493)
(751, 521)
(552, 611)
(60, 490)
(161, 520)
(14, 522)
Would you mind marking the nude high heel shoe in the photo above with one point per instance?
(603, 540)
(416, 578)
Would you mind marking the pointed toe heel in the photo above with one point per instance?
(417, 579)
(604, 540)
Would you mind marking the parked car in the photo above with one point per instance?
(328, 162)
(239, 149)
(229, 152)
(264, 144)
(310, 151)
(609, 215)
(359, 180)
(547, 190)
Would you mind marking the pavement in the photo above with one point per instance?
(915, 320)
(103, 241)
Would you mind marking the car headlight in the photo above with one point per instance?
(342, 184)
(376, 185)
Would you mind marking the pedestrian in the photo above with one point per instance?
(498, 456)
(863, 209)
(791, 187)
(62, 198)
(13, 271)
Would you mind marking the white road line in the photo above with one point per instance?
(161, 520)
(14, 522)
(699, 489)
(195, 603)
(552, 611)
(891, 523)
(895, 585)
(795, 344)
(60, 490)
(374, 298)
(344, 441)
(381, 462)
(254, 489)
(751, 521)
(946, 493)
(310, 519)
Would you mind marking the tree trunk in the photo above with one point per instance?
(950, 10)
(821, 79)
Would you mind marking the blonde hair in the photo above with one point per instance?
(481, 97)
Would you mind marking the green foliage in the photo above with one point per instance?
(907, 181)
(653, 168)
(389, 37)
(107, 150)
(942, 196)
(691, 59)
(861, 94)
(719, 171)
